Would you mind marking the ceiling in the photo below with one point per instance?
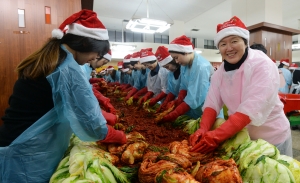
(196, 14)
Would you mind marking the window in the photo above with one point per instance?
(159, 38)
(209, 44)
(115, 35)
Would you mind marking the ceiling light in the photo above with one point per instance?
(295, 46)
(147, 25)
(123, 47)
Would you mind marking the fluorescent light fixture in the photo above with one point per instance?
(198, 51)
(147, 25)
(295, 46)
(123, 47)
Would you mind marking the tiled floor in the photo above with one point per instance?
(296, 144)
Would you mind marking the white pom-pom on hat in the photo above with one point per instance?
(57, 33)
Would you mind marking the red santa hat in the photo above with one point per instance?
(233, 27)
(285, 62)
(107, 56)
(83, 23)
(135, 57)
(181, 44)
(293, 66)
(163, 56)
(147, 55)
(120, 65)
(103, 71)
(127, 58)
(110, 68)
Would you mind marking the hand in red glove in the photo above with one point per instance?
(128, 89)
(207, 121)
(104, 101)
(180, 98)
(147, 96)
(140, 93)
(114, 136)
(131, 93)
(169, 98)
(110, 108)
(172, 116)
(125, 86)
(211, 140)
(158, 97)
(111, 119)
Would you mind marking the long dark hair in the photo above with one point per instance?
(45, 60)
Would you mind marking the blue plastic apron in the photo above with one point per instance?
(34, 155)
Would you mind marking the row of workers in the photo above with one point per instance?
(53, 98)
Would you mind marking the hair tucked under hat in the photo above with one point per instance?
(230, 28)
(84, 23)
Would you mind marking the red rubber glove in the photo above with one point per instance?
(125, 86)
(104, 101)
(207, 121)
(96, 80)
(114, 136)
(128, 89)
(158, 97)
(169, 98)
(180, 98)
(96, 86)
(179, 110)
(140, 93)
(211, 140)
(111, 119)
(147, 96)
(131, 93)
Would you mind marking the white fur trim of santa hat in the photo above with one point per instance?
(181, 48)
(109, 68)
(231, 31)
(125, 70)
(166, 61)
(147, 59)
(107, 56)
(80, 30)
(285, 63)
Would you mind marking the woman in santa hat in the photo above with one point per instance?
(173, 79)
(247, 83)
(53, 99)
(284, 69)
(157, 77)
(195, 74)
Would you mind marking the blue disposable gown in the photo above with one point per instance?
(34, 155)
(288, 80)
(87, 70)
(140, 79)
(173, 84)
(195, 79)
(130, 78)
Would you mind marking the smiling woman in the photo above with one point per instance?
(247, 83)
